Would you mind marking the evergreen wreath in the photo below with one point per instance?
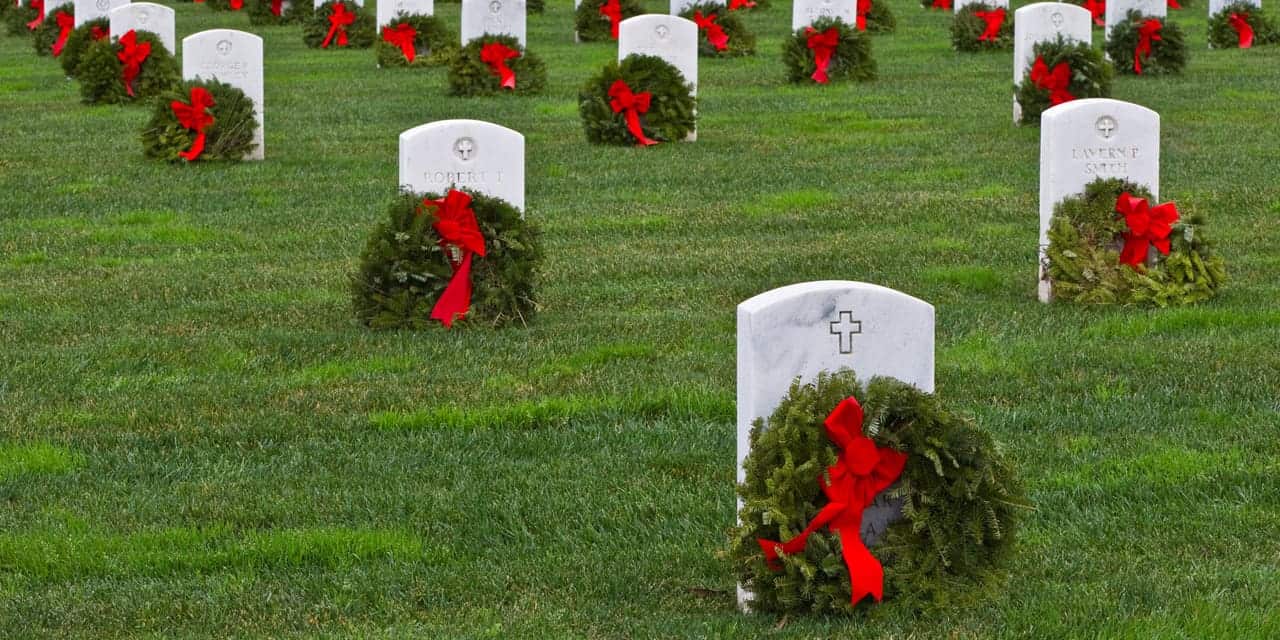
(879, 19)
(78, 42)
(230, 137)
(404, 267)
(1224, 36)
(360, 33)
(593, 26)
(1168, 54)
(1091, 76)
(17, 18)
(851, 59)
(1083, 258)
(471, 76)
(967, 29)
(960, 500)
(46, 34)
(672, 106)
(101, 73)
(741, 42)
(434, 44)
(263, 12)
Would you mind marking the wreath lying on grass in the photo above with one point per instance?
(493, 64)
(720, 33)
(78, 41)
(597, 20)
(1146, 46)
(24, 19)
(641, 101)
(133, 67)
(437, 257)
(959, 499)
(1112, 245)
(415, 40)
(202, 120)
(1064, 70)
(1097, 10)
(1241, 25)
(982, 27)
(827, 50)
(338, 24)
(50, 36)
(279, 12)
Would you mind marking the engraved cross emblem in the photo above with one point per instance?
(464, 147)
(1106, 126)
(845, 328)
(1057, 21)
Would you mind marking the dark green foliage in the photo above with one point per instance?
(1091, 76)
(536, 6)
(1223, 36)
(1168, 54)
(230, 137)
(224, 5)
(671, 115)
(17, 18)
(1083, 259)
(435, 44)
(960, 511)
(741, 41)
(47, 33)
(101, 79)
(880, 19)
(78, 42)
(360, 34)
(404, 268)
(967, 28)
(928, 4)
(593, 27)
(469, 76)
(851, 61)
(260, 13)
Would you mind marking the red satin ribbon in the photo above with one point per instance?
(402, 36)
(1097, 9)
(66, 23)
(1240, 22)
(132, 55)
(98, 33)
(339, 20)
(1173, 4)
(195, 117)
(715, 33)
(496, 54)
(1148, 226)
(861, 19)
(823, 45)
(621, 98)
(994, 20)
(1150, 30)
(237, 5)
(39, 7)
(734, 5)
(942, 4)
(277, 7)
(1055, 82)
(458, 230)
(613, 11)
(851, 484)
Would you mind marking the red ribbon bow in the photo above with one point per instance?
(402, 36)
(734, 5)
(612, 10)
(1173, 4)
(195, 117)
(496, 54)
(1097, 9)
(66, 23)
(237, 5)
(339, 20)
(823, 45)
(1148, 31)
(994, 20)
(715, 33)
(942, 4)
(621, 98)
(851, 484)
(38, 5)
(1055, 82)
(98, 33)
(459, 232)
(277, 7)
(132, 55)
(1147, 226)
(861, 19)
(1240, 22)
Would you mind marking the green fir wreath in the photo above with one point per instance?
(17, 18)
(261, 13)
(360, 34)
(851, 61)
(591, 26)
(741, 41)
(230, 137)
(1083, 258)
(404, 269)
(880, 18)
(1168, 54)
(967, 29)
(672, 108)
(434, 44)
(45, 35)
(1223, 36)
(100, 72)
(78, 42)
(961, 500)
(1091, 75)
(470, 76)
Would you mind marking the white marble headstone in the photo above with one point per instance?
(678, 6)
(233, 57)
(358, 3)
(494, 17)
(145, 16)
(87, 10)
(1117, 10)
(478, 155)
(1041, 22)
(806, 12)
(1216, 6)
(389, 9)
(671, 38)
(960, 4)
(1083, 140)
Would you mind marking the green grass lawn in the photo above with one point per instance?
(196, 439)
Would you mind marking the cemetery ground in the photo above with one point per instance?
(197, 440)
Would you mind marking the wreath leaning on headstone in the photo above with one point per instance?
(415, 40)
(831, 449)
(1062, 71)
(133, 67)
(1241, 25)
(720, 33)
(1112, 245)
(597, 20)
(827, 50)
(50, 36)
(445, 258)
(494, 64)
(202, 120)
(279, 12)
(339, 24)
(24, 19)
(1141, 45)
(982, 27)
(642, 100)
(78, 42)
(876, 17)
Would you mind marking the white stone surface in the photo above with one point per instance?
(671, 38)
(1040, 22)
(960, 4)
(317, 3)
(1083, 140)
(1216, 6)
(146, 16)
(493, 17)
(233, 57)
(678, 6)
(806, 12)
(480, 156)
(87, 10)
(389, 9)
(1118, 9)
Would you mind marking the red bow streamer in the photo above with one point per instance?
(734, 5)
(132, 55)
(861, 19)
(1150, 30)
(1098, 9)
(66, 23)
(402, 35)
(38, 5)
(194, 117)
(942, 4)
(277, 7)
(715, 33)
(237, 5)
(995, 20)
(1147, 226)
(851, 484)
(1055, 82)
(823, 45)
(459, 232)
(496, 54)
(1240, 22)
(339, 20)
(621, 98)
(613, 11)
